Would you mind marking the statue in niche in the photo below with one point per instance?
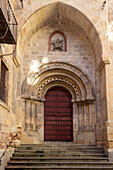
(57, 45)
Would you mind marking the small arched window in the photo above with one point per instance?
(57, 42)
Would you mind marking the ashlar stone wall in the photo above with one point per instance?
(78, 51)
(90, 50)
(78, 54)
(90, 18)
(10, 110)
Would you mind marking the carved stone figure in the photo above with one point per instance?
(57, 45)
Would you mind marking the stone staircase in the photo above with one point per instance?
(59, 156)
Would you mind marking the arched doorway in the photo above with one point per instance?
(58, 119)
(78, 86)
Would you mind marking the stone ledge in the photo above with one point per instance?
(102, 63)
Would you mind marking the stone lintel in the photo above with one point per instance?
(102, 63)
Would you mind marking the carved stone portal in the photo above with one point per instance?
(83, 104)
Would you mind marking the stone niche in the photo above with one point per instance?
(57, 42)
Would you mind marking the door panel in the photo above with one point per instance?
(58, 124)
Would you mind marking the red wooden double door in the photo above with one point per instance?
(58, 120)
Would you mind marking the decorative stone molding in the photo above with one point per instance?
(58, 78)
(85, 101)
(27, 88)
(33, 99)
(73, 80)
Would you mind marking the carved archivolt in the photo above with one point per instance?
(57, 79)
(59, 73)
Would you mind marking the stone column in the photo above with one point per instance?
(25, 118)
(104, 99)
(0, 68)
(36, 116)
(33, 115)
(27, 112)
(80, 117)
(109, 125)
(90, 119)
(92, 123)
(75, 122)
(41, 121)
(98, 127)
(80, 135)
(85, 118)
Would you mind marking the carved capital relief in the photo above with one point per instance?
(85, 102)
(31, 99)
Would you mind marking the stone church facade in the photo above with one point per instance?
(65, 44)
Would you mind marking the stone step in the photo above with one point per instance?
(59, 151)
(60, 159)
(49, 154)
(50, 144)
(58, 167)
(58, 148)
(59, 145)
(67, 156)
(56, 163)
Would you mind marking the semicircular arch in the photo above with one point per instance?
(56, 72)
